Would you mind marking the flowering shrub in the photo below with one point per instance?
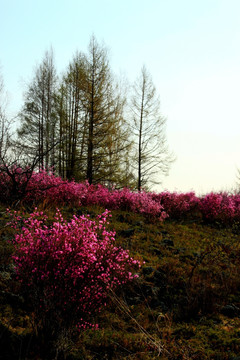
(140, 202)
(53, 190)
(67, 268)
(124, 199)
(218, 207)
(178, 205)
(95, 195)
(236, 200)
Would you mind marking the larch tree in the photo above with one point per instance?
(152, 158)
(103, 107)
(16, 166)
(5, 123)
(92, 128)
(37, 132)
(72, 120)
(118, 144)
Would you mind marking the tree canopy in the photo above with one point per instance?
(85, 125)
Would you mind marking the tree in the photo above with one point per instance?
(72, 120)
(152, 155)
(13, 178)
(97, 104)
(106, 137)
(5, 123)
(38, 116)
(92, 129)
(118, 144)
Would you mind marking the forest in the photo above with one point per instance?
(94, 264)
(88, 124)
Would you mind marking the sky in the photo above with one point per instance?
(190, 47)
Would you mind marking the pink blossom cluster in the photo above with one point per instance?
(34, 187)
(177, 205)
(124, 199)
(221, 207)
(45, 186)
(212, 207)
(69, 267)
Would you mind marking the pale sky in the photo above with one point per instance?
(190, 47)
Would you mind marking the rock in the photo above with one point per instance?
(121, 218)
(182, 250)
(127, 233)
(159, 279)
(168, 242)
(155, 250)
(134, 300)
(5, 275)
(176, 251)
(230, 310)
(140, 223)
(163, 306)
(147, 270)
(155, 298)
(12, 299)
(185, 257)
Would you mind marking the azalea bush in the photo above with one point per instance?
(45, 186)
(218, 207)
(32, 188)
(67, 269)
(123, 199)
(222, 208)
(178, 205)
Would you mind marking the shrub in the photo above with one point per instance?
(34, 187)
(178, 205)
(53, 190)
(218, 207)
(139, 202)
(46, 186)
(66, 269)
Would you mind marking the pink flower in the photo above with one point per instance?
(70, 265)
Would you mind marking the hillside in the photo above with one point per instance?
(185, 303)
